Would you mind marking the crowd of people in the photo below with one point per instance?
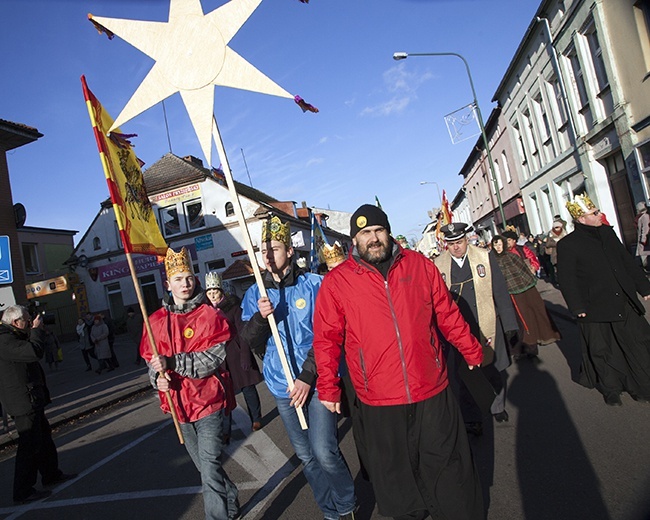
(415, 351)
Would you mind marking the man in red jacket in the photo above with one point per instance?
(388, 304)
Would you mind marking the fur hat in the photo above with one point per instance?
(368, 215)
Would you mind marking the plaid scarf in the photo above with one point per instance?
(516, 272)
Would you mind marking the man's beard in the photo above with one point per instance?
(376, 256)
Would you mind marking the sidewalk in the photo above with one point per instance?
(76, 392)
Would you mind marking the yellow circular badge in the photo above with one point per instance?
(188, 332)
(301, 303)
(361, 221)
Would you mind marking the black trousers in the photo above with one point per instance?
(36, 454)
(419, 460)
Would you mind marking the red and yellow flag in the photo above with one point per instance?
(135, 216)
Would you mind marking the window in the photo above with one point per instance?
(557, 106)
(118, 238)
(642, 18)
(536, 215)
(97, 244)
(530, 140)
(547, 206)
(115, 302)
(604, 93)
(580, 90)
(506, 168)
(194, 215)
(169, 219)
(520, 149)
(30, 257)
(219, 263)
(149, 292)
(230, 210)
(497, 173)
(544, 126)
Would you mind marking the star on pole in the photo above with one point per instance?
(192, 57)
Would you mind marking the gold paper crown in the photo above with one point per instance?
(274, 229)
(177, 262)
(580, 205)
(333, 254)
(212, 280)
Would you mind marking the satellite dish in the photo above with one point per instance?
(83, 261)
(20, 214)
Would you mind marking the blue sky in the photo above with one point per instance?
(380, 130)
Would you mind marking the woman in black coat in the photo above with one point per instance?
(239, 359)
(600, 280)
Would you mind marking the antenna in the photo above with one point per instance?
(246, 165)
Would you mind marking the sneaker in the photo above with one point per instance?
(257, 425)
(613, 400)
(352, 515)
(34, 496)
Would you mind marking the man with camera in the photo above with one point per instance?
(24, 395)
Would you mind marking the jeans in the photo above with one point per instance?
(322, 460)
(203, 443)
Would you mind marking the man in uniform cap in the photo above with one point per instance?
(387, 304)
(191, 339)
(600, 280)
(479, 288)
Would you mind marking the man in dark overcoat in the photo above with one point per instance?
(24, 395)
(600, 281)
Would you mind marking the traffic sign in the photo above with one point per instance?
(6, 274)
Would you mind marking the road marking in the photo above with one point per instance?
(257, 454)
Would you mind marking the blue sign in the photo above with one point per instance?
(204, 242)
(6, 274)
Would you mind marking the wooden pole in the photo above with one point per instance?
(152, 342)
(234, 197)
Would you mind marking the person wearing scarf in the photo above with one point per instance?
(537, 326)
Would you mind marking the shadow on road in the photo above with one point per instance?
(555, 476)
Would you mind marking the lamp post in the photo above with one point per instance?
(403, 55)
(437, 188)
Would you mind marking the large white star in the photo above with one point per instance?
(192, 57)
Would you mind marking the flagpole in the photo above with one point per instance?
(152, 342)
(234, 197)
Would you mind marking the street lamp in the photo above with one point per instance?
(403, 55)
(437, 188)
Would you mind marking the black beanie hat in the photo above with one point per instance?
(368, 215)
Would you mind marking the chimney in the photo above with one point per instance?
(193, 160)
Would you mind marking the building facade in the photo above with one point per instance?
(570, 100)
(193, 208)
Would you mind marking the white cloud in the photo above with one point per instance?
(404, 85)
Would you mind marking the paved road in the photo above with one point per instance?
(563, 454)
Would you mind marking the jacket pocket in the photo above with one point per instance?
(363, 370)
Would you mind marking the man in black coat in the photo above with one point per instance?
(600, 280)
(24, 395)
